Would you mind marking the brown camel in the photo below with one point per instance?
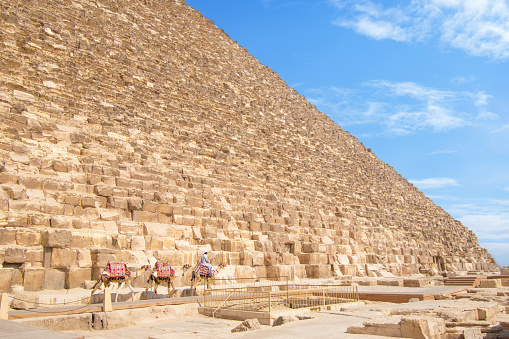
(197, 277)
(107, 278)
(157, 280)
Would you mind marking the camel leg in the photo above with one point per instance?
(120, 284)
(149, 285)
(131, 288)
(156, 285)
(95, 288)
(172, 286)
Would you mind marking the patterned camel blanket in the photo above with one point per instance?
(164, 270)
(116, 270)
(203, 270)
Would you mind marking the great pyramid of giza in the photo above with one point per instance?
(132, 129)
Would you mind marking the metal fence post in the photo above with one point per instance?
(269, 300)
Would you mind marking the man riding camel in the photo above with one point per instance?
(205, 261)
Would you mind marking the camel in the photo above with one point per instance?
(106, 279)
(197, 277)
(154, 279)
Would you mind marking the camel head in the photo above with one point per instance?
(220, 266)
(185, 268)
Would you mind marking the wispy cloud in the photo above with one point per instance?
(488, 226)
(479, 28)
(442, 151)
(400, 108)
(434, 182)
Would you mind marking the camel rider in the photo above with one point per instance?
(205, 261)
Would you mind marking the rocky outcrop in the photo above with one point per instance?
(132, 129)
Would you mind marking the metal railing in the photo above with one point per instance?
(278, 297)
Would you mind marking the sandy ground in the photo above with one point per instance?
(323, 324)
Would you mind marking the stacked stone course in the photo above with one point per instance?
(132, 129)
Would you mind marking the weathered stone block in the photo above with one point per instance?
(490, 283)
(33, 279)
(63, 257)
(56, 238)
(75, 277)
(422, 328)
(5, 279)
(318, 271)
(15, 254)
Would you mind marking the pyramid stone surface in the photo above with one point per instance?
(132, 129)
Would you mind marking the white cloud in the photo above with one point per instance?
(434, 182)
(499, 250)
(506, 189)
(479, 28)
(401, 108)
(488, 226)
(443, 151)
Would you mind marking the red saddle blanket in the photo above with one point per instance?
(164, 270)
(201, 269)
(116, 270)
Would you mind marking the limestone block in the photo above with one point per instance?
(101, 240)
(155, 229)
(64, 257)
(258, 258)
(490, 283)
(15, 254)
(416, 282)
(318, 271)
(75, 277)
(24, 301)
(130, 228)
(138, 243)
(109, 215)
(33, 279)
(5, 279)
(422, 327)
(80, 240)
(17, 219)
(135, 204)
(109, 227)
(120, 241)
(84, 258)
(472, 333)
(386, 326)
(8, 178)
(143, 216)
(487, 312)
(28, 237)
(54, 279)
(103, 190)
(56, 238)
(349, 269)
(34, 255)
(101, 256)
(7, 236)
(90, 213)
(247, 325)
(61, 221)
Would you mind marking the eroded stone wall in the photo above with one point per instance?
(132, 129)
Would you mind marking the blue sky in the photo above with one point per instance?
(423, 83)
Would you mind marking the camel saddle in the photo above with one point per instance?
(116, 270)
(164, 270)
(203, 270)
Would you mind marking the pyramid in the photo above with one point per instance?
(132, 129)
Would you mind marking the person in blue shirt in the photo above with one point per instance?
(205, 261)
